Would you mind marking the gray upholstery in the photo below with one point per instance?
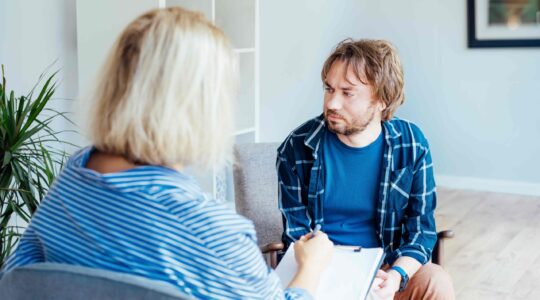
(256, 189)
(61, 281)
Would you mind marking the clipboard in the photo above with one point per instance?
(349, 275)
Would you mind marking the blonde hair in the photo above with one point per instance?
(164, 96)
(377, 62)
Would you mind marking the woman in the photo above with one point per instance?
(163, 102)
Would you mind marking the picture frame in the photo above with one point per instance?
(503, 23)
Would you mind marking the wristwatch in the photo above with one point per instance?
(404, 277)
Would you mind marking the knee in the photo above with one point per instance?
(435, 282)
(441, 279)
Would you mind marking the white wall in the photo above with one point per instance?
(99, 23)
(33, 35)
(478, 107)
(295, 39)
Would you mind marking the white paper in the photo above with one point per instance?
(348, 276)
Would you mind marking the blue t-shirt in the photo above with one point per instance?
(351, 191)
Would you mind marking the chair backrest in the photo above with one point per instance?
(49, 281)
(256, 189)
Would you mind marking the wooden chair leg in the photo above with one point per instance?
(273, 259)
(438, 251)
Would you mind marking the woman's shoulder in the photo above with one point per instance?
(207, 218)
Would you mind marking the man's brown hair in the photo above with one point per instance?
(375, 63)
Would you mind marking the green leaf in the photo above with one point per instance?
(7, 158)
(31, 154)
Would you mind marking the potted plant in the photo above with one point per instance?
(31, 155)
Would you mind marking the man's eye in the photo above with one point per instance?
(328, 89)
(348, 94)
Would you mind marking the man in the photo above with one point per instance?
(364, 176)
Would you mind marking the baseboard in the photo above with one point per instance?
(489, 185)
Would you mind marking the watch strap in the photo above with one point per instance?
(404, 277)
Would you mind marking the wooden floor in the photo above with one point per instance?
(495, 253)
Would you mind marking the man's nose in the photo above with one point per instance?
(333, 102)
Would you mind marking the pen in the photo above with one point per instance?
(317, 228)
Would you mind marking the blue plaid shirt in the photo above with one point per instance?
(407, 199)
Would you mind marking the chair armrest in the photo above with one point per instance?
(438, 251)
(271, 247)
(270, 252)
(445, 234)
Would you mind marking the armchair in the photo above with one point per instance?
(255, 188)
(50, 281)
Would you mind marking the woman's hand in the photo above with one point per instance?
(313, 253)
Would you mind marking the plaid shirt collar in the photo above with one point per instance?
(314, 136)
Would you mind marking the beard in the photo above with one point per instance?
(349, 127)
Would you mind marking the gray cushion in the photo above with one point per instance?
(256, 189)
(61, 281)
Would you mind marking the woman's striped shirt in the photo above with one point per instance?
(150, 221)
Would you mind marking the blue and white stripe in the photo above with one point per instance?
(150, 221)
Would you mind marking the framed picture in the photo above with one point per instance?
(503, 23)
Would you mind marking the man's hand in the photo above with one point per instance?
(387, 284)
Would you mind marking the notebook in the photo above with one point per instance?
(348, 276)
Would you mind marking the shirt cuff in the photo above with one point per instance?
(297, 293)
(418, 255)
